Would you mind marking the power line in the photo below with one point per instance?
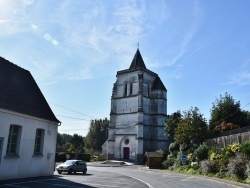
(71, 110)
(73, 118)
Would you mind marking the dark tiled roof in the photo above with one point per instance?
(137, 62)
(157, 84)
(20, 93)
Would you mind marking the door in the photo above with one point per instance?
(1, 148)
(126, 153)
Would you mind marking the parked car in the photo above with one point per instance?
(72, 166)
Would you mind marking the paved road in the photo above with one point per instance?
(90, 180)
(165, 179)
(121, 177)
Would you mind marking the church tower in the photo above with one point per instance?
(138, 108)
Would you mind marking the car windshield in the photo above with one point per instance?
(69, 162)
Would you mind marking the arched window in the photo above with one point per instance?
(125, 89)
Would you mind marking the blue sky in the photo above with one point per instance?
(73, 48)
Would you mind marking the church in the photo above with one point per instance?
(138, 108)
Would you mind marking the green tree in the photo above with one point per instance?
(76, 144)
(171, 123)
(97, 135)
(59, 140)
(227, 114)
(191, 130)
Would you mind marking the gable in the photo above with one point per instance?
(20, 93)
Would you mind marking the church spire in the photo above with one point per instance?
(137, 62)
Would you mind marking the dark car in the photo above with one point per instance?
(72, 166)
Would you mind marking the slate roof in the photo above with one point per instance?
(20, 93)
(137, 62)
(157, 84)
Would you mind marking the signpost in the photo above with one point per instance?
(67, 156)
(184, 159)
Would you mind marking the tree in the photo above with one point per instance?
(226, 113)
(76, 144)
(97, 135)
(59, 140)
(191, 130)
(171, 123)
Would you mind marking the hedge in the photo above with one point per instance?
(61, 157)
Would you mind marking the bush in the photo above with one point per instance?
(61, 157)
(201, 152)
(168, 163)
(84, 156)
(237, 167)
(229, 152)
(215, 153)
(101, 157)
(210, 167)
(245, 149)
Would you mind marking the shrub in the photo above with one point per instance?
(245, 149)
(229, 152)
(102, 157)
(201, 152)
(237, 166)
(210, 166)
(84, 156)
(190, 157)
(168, 163)
(215, 156)
(195, 165)
(215, 153)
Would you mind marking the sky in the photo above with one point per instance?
(74, 48)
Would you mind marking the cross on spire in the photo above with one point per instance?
(138, 45)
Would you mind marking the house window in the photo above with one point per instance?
(38, 149)
(14, 140)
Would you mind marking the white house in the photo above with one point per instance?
(138, 108)
(28, 127)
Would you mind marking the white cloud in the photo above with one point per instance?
(189, 34)
(97, 34)
(240, 76)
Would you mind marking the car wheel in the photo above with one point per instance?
(59, 172)
(70, 171)
(84, 171)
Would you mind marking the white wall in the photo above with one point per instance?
(27, 165)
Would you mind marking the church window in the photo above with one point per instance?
(148, 90)
(125, 89)
(131, 88)
(126, 141)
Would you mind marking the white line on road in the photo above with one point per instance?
(192, 177)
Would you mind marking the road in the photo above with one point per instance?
(121, 177)
(167, 179)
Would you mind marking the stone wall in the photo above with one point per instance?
(230, 137)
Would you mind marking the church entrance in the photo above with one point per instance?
(126, 153)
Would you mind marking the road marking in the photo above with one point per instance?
(192, 177)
